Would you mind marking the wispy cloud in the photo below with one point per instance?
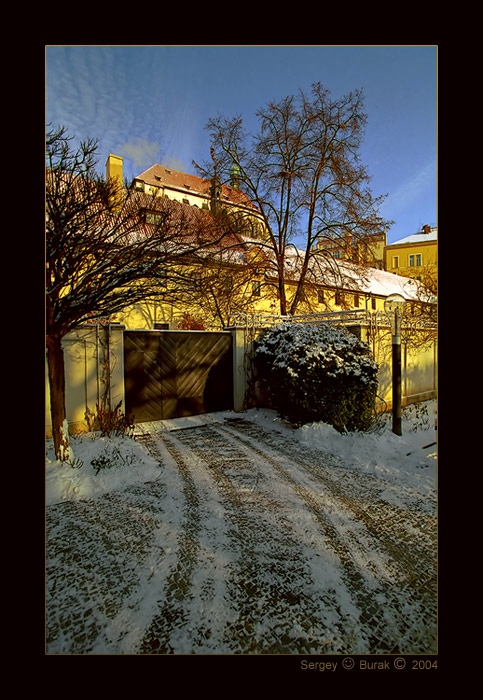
(142, 152)
(413, 188)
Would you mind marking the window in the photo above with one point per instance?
(339, 298)
(152, 218)
(320, 296)
(356, 301)
(161, 326)
(163, 278)
(415, 260)
(373, 303)
(395, 261)
(256, 288)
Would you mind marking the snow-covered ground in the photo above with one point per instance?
(244, 536)
(409, 457)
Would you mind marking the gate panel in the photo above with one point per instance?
(169, 374)
(142, 375)
(196, 373)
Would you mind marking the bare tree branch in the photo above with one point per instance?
(303, 172)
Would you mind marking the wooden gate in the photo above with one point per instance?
(169, 374)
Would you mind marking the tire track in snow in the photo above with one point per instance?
(409, 585)
(279, 607)
(413, 533)
(194, 614)
(172, 614)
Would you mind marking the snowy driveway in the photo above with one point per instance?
(247, 543)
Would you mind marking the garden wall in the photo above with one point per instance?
(94, 369)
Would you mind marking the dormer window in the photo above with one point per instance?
(153, 218)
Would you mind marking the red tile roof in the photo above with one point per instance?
(190, 224)
(162, 176)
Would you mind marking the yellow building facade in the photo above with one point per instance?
(367, 250)
(246, 282)
(415, 256)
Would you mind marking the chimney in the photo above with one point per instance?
(426, 228)
(114, 167)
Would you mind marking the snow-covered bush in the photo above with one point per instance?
(318, 373)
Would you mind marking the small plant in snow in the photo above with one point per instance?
(109, 422)
(418, 415)
(318, 373)
(112, 457)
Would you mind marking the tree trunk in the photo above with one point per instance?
(299, 290)
(55, 360)
(283, 298)
(281, 286)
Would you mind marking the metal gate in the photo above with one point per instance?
(169, 374)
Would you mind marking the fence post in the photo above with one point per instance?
(239, 368)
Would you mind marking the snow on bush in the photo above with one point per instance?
(318, 373)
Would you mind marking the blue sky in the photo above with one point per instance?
(150, 104)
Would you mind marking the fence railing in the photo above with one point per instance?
(264, 319)
(349, 317)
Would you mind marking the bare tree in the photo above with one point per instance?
(303, 172)
(420, 326)
(105, 247)
(219, 290)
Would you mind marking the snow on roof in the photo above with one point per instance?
(417, 238)
(382, 283)
(345, 275)
(370, 280)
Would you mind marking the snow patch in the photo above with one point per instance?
(100, 465)
(410, 458)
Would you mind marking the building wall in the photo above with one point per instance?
(146, 315)
(369, 250)
(398, 258)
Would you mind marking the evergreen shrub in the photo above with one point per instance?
(318, 373)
